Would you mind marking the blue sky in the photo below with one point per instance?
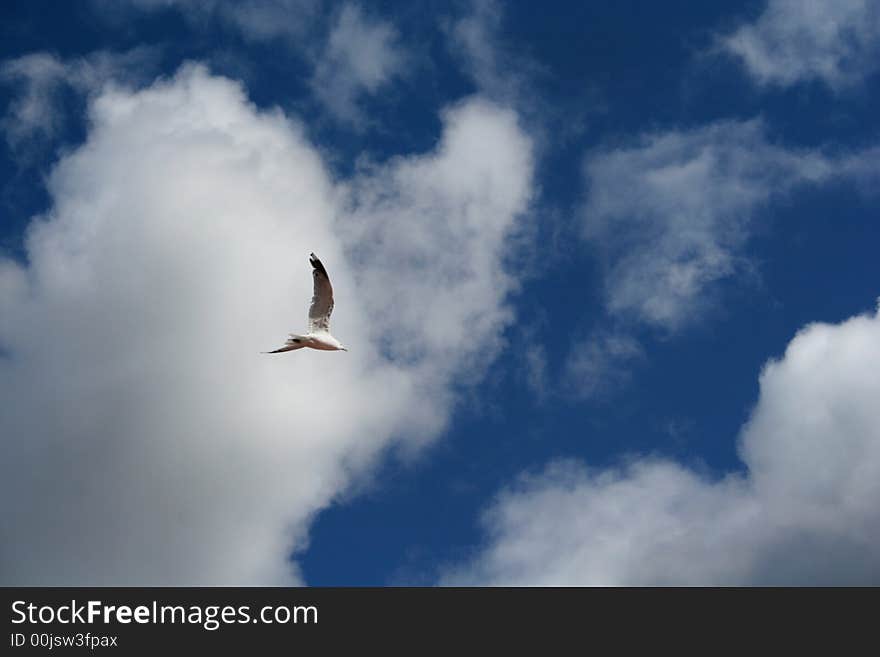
(608, 275)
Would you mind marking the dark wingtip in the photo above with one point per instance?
(317, 264)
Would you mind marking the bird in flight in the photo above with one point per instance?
(318, 336)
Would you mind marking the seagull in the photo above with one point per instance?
(318, 336)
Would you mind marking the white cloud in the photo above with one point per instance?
(445, 218)
(145, 439)
(835, 41)
(36, 112)
(671, 213)
(806, 511)
(361, 56)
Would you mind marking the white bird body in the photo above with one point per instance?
(322, 341)
(318, 336)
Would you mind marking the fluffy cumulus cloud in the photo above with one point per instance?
(361, 56)
(670, 214)
(805, 511)
(434, 227)
(145, 438)
(835, 41)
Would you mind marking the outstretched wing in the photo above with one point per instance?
(322, 298)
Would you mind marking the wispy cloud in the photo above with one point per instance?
(806, 512)
(262, 20)
(671, 213)
(361, 57)
(255, 20)
(36, 113)
(474, 38)
(352, 53)
(601, 364)
(835, 41)
(498, 69)
(535, 368)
